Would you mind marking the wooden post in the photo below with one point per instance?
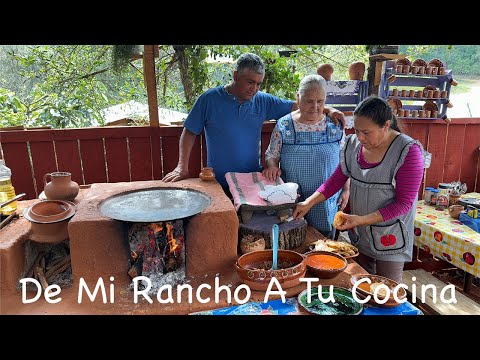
(151, 83)
(375, 70)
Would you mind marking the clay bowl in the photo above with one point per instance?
(325, 264)
(255, 268)
(49, 220)
(419, 62)
(455, 210)
(436, 63)
(403, 61)
(426, 88)
(430, 105)
(49, 211)
(363, 289)
(345, 303)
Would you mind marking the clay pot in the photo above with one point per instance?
(326, 71)
(207, 174)
(455, 210)
(49, 211)
(356, 70)
(49, 220)
(254, 269)
(61, 187)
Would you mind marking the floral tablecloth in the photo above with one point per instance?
(440, 235)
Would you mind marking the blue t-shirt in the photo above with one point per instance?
(233, 130)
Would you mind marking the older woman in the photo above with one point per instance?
(385, 168)
(305, 149)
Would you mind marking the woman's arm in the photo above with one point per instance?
(272, 156)
(408, 180)
(326, 190)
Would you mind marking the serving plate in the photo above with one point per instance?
(395, 104)
(365, 289)
(344, 303)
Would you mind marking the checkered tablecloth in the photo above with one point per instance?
(440, 235)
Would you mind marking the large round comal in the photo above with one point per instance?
(154, 205)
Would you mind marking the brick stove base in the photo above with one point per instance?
(99, 245)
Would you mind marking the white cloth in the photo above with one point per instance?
(280, 194)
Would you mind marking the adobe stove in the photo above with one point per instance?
(108, 238)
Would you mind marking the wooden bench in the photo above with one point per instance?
(464, 305)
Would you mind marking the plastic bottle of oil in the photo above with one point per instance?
(7, 191)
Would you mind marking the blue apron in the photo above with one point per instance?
(308, 159)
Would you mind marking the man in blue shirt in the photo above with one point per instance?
(233, 116)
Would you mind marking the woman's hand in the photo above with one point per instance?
(337, 117)
(343, 199)
(272, 172)
(350, 221)
(301, 209)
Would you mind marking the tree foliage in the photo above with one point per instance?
(63, 86)
(70, 85)
(463, 59)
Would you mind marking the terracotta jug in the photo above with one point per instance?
(356, 70)
(325, 70)
(61, 187)
(207, 174)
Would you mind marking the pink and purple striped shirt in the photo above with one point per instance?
(408, 180)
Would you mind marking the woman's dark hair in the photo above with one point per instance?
(378, 110)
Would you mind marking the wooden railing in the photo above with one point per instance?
(115, 154)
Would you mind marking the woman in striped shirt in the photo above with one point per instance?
(385, 168)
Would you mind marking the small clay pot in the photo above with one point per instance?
(455, 210)
(356, 70)
(326, 71)
(207, 174)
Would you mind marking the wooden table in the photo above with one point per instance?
(257, 298)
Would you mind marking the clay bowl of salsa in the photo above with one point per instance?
(325, 264)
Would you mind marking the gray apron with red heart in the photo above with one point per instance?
(373, 188)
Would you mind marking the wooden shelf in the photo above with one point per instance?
(407, 81)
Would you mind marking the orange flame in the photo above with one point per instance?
(171, 240)
(156, 227)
